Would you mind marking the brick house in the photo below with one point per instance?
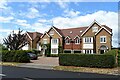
(95, 38)
(33, 41)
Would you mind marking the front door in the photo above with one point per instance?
(101, 51)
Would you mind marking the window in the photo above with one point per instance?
(51, 33)
(88, 39)
(88, 51)
(102, 39)
(67, 41)
(54, 41)
(45, 41)
(54, 50)
(77, 41)
(37, 46)
(94, 29)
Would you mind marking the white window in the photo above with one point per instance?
(54, 50)
(77, 41)
(102, 39)
(54, 41)
(51, 33)
(37, 46)
(94, 29)
(44, 41)
(88, 51)
(67, 41)
(88, 40)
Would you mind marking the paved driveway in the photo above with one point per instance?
(50, 61)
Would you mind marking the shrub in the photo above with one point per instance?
(36, 51)
(111, 52)
(119, 58)
(53, 55)
(87, 60)
(48, 51)
(15, 56)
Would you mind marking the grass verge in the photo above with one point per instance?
(9, 63)
(113, 71)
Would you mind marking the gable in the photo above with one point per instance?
(103, 31)
(54, 33)
(90, 30)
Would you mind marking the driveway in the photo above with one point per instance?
(53, 61)
(42, 63)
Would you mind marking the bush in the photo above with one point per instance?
(119, 58)
(87, 60)
(111, 52)
(15, 56)
(53, 55)
(48, 51)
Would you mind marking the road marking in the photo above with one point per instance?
(2, 75)
(26, 78)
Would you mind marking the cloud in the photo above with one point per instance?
(103, 17)
(41, 25)
(6, 19)
(32, 13)
(62, 4)
(23, 23)
(71, 13)
(3, 5)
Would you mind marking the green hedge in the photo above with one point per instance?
(87, 60)
(119, 58)
(15, 56)
(111, 52)
(54, 55)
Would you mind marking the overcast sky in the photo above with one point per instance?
(39, 16)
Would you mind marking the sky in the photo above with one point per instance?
(39, 16)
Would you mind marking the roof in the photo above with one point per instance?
(34, 35)
(73, 32)
(107, 28)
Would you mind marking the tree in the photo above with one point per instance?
(15, 41)
(3, 47)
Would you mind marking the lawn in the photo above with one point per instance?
(87, 69)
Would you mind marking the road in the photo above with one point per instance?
(30, 73)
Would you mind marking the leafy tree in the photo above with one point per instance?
(3, 47)
(15, 41)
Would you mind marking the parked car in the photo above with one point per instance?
(33, 56)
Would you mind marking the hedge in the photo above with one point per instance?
(119, 58)
(15, 56)
(87, 60)
(54, 55)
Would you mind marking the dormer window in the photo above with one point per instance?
(77, 40)
(70, 32)
(81, 31)
(67, 40)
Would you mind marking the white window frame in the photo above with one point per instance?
(37, 46)
(104, 39)
(54, 41)
(77, 40)
(88, 51)
(55, 51)
(95, 29)
(67, 41)
(45, 41)
(88, 40)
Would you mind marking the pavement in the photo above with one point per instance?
(41, 63)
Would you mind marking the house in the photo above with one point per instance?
(95, 38)
(33, 41)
